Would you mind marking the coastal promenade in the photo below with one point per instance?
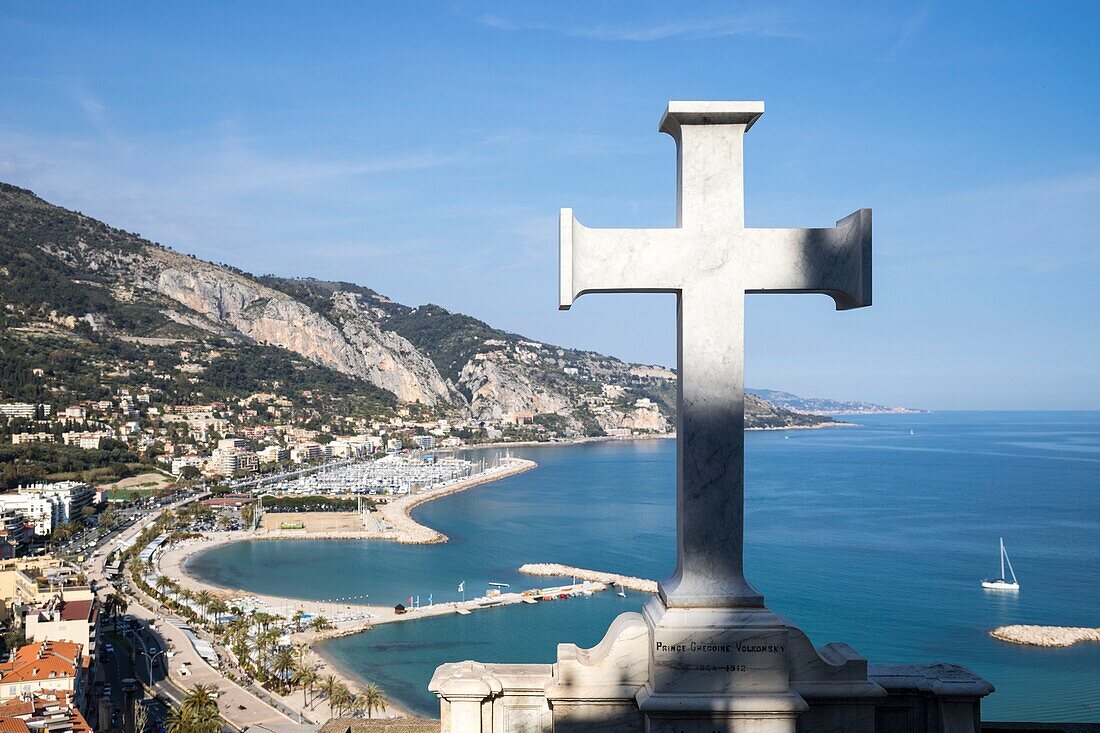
(237, 705)
(346, 618)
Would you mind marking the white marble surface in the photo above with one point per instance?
(710, 260)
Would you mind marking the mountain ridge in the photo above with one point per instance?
(69, 281)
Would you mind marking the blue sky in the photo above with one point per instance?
(425, 149)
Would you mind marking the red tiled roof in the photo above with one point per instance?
(77, 610)
(40, 706)
(42, 661)
(15, 707)
(13, 725)
(80, 725)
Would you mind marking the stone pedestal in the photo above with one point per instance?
(680, 670)
(715, 670)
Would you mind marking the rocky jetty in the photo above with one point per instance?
(595, 576)
(1048, 636)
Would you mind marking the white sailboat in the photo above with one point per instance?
(622, 591)
(1002, 583)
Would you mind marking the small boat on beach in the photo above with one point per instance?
(1002, 583)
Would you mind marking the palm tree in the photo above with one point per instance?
(357, 705)
(373, 699)
(305, 676)
(198, 713)
(232, 632)
(184, 595)
(328, 687)
(163, 583)
(341, 698)
(115, 605)
(141, 719)
(265, 641)
(320, 623)
(218, 607)
(204, 598)
(263, 619)
(282, 664)
(299, 615)
(178, 722)
(60, 534)
(201, 697)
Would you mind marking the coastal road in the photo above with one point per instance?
(119, 664)
(185, 667)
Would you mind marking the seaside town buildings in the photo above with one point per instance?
(46, 682)
(54, 711)
(45, 666)
(31, 514)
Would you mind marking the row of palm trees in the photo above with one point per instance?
(254, 639)
(342, 701)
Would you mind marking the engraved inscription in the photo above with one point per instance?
(702, 660)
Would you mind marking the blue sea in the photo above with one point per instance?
(876, 535)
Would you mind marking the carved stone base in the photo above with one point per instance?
(690, 670)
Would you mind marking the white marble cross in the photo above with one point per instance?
(710, 260)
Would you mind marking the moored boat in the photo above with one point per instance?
(1001, 583)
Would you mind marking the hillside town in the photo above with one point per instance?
(256, 434)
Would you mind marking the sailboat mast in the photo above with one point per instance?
(1002, 558)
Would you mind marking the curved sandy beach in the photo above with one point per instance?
(347, 618)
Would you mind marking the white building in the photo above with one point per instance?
(36, 511)
(181, 462)
(273, 454)
(88, 441)
(231, 461)
(424, 442)
(22, 438)
(22, 409)
(232, 443)
(48, 506)
(305, 452)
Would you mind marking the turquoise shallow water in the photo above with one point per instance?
(870, 535)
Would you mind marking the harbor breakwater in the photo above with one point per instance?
(398, 513)
(1046, 636)
(595, 576)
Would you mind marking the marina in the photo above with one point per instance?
(392, 475)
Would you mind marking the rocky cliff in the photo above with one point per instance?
(69, 271)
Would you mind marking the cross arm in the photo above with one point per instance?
(616, 260)
(834, 261)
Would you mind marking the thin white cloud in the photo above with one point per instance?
(1035, 226)
(764, 24)
(912, 28)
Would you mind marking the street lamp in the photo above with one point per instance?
(150, 658)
